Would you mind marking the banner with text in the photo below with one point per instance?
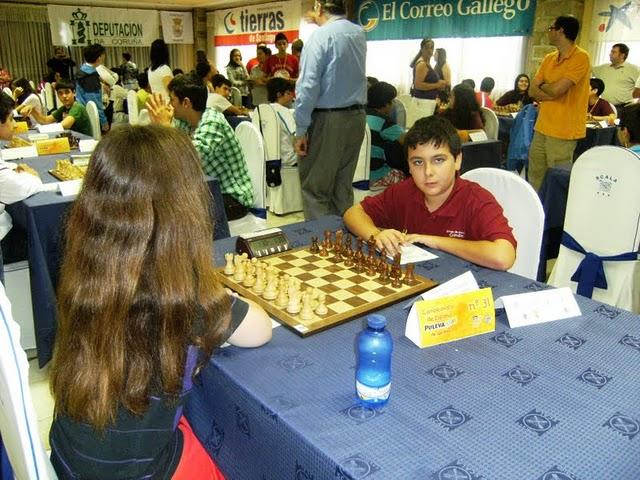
(177, 27)
(111, 27)
(615, 20)
(256, 23)
(413, 19)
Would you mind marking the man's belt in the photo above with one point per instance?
(356, 106)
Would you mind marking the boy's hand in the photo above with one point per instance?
(426, 240)
(159, 110)
(23, 167)
(26, 110)
(391, 240)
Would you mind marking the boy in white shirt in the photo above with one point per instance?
(219, 99)
(280, 92)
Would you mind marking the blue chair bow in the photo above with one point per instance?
(590, 272)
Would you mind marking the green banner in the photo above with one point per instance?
(413, 19)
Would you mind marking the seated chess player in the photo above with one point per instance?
(629, 131)
(280, 92)
(219, 98)
(72, 115)
(599, 109)
(212, 136)
(435, 207)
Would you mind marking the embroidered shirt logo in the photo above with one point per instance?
(455, 233)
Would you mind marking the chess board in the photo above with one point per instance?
(348, 294)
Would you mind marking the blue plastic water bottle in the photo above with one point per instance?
(373, 371)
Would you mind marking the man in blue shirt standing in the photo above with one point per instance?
(331, 94)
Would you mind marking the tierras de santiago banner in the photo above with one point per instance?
(413, 19)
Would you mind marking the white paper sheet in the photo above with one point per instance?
(71, 187)
(51, 128)
(478, 136)
(540, 307)
(87, 145)
(414, 254)
(18, 153)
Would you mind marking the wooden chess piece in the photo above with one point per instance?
(372, 267)
(396, 278)
(307, 311)
(321, 309)
(348, 257)
(229, 268)
(371, 246)
(323, 250)
(314, 245)
(240, 272)
(271, 292)
(347, 241)
(327, 239)
(384, 274)
(339, 236)
(409, 277)
(294, 301)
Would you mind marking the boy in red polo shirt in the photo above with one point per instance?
(436, 207)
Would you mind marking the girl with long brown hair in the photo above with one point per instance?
(139, 304)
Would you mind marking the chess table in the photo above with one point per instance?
(555, 401)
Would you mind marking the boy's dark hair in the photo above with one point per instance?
(177, 71)
(203, 69)
(598, 84)
(381, 94)
(434, 130)
(622, 48)
(265, 49)
(65, 83)
(277, 85)
(126, 56)
(469, 82)
(190, 86)
(630, 119)
(334, 7)
(297, 45)
(92, 52)
(487, 84)
(570, 26)
(143, 79)
(220, 79)
(6, 106)
(281, 36)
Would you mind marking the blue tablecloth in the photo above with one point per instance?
(42, 217)
(552, 401)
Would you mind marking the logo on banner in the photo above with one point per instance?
(615, 14)
(229, 23)
(368, 15)
(79, 27)
(178, 28)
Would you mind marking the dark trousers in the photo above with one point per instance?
(233, 208)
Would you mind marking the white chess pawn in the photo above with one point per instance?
(282, 299)
(240, 273)
(307, 311)
(229, 268)
(294, 301)
(271, 292)
(321, 309)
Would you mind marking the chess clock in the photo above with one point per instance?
(262, 243)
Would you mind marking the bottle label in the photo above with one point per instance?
(367, 393)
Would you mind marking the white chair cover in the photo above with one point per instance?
(132, 107)
(236, 97)
(253, 149)
(400, 113)
(286, 197)
(523, 210)
(8, 91)
(143, 117)
(92, 110)
(49, 97)
(18, 421)
(491, 124)
(363, 168)
(603, 216)
(33, 85)
(416, 108)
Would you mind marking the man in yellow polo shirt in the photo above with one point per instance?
(561, 87)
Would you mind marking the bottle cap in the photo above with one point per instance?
(376, 321)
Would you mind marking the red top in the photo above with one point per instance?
(252, 63)
(487, 101)
(470, 212)
(276, 67)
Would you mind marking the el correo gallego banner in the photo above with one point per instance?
(615, 21)
(257, 23)
(112, 27)
(413, 19)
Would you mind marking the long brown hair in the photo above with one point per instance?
(137, 283)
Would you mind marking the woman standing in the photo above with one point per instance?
(519, 94)
(133, 332)
(444, 72)
(426, 81)
(160, 72)
(238, 76)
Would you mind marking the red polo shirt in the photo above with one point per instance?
(470, 212)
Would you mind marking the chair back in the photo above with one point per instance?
(49, 97)
(613, 107)
(270, 128)
(399, 113)
(363, 166)
(94, 120)
(491, 124)
(33, 85)
(132, 107)
(143, 117)
(253, 149)
(8, 91)
(18, 421)
(236, 97)
(603, 216)
(523, 210)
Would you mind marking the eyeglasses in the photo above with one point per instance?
(552, 27)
